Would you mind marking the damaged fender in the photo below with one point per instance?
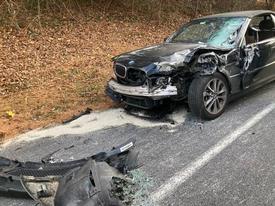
(209, 63)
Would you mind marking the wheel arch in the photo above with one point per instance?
(226, 77)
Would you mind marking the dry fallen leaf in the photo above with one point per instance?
(10, 114)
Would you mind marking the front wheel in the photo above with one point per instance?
(208, 96)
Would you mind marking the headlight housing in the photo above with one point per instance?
(165, 68)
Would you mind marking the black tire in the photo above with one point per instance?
(201, 101)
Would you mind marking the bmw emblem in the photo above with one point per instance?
(131, 62)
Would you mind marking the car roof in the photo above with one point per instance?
(248, 14)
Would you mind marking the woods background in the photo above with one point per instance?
(22, 13)
(55, 55)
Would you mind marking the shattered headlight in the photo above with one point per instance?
(165, 68)
(162, 81)
(207, 63)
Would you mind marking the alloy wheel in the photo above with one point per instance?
(215, 96)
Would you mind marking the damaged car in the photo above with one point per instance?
(207, 62)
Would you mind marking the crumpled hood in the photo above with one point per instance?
(175, 53)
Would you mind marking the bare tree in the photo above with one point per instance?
(270, 4)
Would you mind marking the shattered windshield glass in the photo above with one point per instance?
(216, 32)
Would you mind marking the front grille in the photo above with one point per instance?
(129, 76)
(120, 70)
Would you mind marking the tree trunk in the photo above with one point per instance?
(39, 13)
(197, 8)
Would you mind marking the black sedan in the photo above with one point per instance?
(207, 61)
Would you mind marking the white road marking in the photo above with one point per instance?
(180, 177)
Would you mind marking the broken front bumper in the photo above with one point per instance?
(88, 181)
(142, 91)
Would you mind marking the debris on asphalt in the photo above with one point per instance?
(153, 114)
(49, 157)
(200, 125)
(74, 117)
(70, 147)
(103, 179)
(143, 184)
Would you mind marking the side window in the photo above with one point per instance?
(255, 22)
(260, 28)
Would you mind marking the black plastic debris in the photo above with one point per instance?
(89, 181)
(74, 117)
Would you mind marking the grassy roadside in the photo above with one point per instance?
(48, 77)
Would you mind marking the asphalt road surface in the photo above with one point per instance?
(227, 161)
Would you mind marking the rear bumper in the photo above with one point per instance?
(142, 91)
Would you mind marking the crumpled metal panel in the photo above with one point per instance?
(88, 181)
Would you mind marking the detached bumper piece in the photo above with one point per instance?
(90, 181)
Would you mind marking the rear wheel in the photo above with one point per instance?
(208, 96)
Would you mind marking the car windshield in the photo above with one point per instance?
(216, 32)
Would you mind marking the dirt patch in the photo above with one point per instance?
(47, 77)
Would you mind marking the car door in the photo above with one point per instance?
(259, 54)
